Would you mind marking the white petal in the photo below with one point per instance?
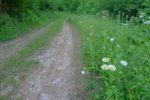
(105, 59)
(124, 63)
(112, 67)
(83, 72)
(105, 67)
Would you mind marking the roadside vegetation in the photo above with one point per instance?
(117, 57)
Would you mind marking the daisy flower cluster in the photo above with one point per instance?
(107, 66)
(111, 67)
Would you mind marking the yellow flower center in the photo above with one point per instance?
(111, 68)
(105, 68)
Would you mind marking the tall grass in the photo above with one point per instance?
(102, 37)
(12, 27)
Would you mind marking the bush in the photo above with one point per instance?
(11, 27)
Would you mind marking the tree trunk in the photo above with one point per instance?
(0, 5)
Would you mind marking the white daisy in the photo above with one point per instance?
(105, 67)
(112, 39)
(125, 24)
(147, 22)
(90, 34)
(124, 63)
(141, 16)
(83, 72)
(105, 59)
(118, 46)
(112, 67)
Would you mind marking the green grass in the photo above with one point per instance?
(131, 43)
(11, 28)
(19, 64)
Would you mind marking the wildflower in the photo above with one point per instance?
(112, 67)
(112, 39)
(124, 63)
(141, 16)
(125, 24)
(90, 34)
(105, 67)
(83, 72)
(118, 46)
(147, 22)
(105, 59)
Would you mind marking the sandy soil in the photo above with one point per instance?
(60, 76)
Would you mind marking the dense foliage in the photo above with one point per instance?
(23, 9)
(128, 7)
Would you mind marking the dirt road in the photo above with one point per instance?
(11, 47)
(60, 76)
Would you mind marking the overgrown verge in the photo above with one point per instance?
(116, 56)
(15, 69)
(13, 27)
